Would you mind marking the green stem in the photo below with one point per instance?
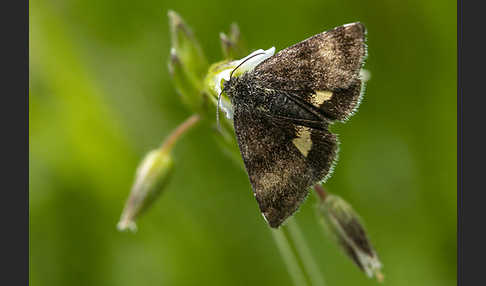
(293, 267)
(179, 131)
(304, 253)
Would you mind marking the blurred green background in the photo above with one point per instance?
(101, 97)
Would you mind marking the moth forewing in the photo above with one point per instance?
(283, 108)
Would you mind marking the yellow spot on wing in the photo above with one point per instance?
(303, 141)
(320, 96)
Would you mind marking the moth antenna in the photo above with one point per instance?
(231, 74)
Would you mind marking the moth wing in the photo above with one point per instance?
(282, 160)
(325, 69)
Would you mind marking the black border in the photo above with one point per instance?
(471, 143)
(459, 143)
(14, 118)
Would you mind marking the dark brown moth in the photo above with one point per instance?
(282, 111)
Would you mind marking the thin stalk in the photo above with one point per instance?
(304, 253)
(179, 131)
(293, 267)
(321, 193)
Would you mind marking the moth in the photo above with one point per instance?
(282, 111)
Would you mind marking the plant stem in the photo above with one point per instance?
(304, 252)
(321, 193)
(179, 131)
(293, 267)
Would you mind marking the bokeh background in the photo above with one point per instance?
(101, 97)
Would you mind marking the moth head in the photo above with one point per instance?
(231, 82)
(228, 85)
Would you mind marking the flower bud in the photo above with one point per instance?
(226, 46)
(231, 45)
(152, 176)
(340, 219)
(187, 48)
(184, 84)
